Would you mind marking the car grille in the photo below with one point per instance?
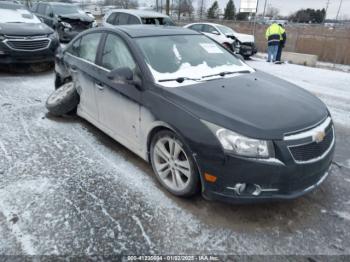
(28, 44)
(313, 150)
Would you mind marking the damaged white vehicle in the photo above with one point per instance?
(242, 44)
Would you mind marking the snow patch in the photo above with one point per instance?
(21, 191)
(343, 214)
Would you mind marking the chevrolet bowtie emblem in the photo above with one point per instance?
(319, 136)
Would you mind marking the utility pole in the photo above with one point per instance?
(325, 15)
(341, 2)
(265, 8)
(157, 5)
(167, 7)
(256, 13)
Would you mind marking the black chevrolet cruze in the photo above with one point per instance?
(204, 119)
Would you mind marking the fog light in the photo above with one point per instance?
(210, 178)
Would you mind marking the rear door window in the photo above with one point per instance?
(208, 29)
(111, 18)
(122, 19)
(197, 28)
(133, 20)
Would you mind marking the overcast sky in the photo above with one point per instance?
(288, 6)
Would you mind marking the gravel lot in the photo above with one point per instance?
(68, 189)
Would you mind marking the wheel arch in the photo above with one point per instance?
(159, 126)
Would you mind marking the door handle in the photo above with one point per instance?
(73, 68)
(99, 86)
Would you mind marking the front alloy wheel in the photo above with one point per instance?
(173, 164)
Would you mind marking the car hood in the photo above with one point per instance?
(256, 105)
(244, 38)
(77, 16)
(24, 29)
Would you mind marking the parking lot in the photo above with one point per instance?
(67, 188)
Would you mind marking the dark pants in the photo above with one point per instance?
(279, 52)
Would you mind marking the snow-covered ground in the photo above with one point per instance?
(333, 87)
(68, 189)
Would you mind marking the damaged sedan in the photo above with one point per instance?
(204, 119)
(67, 19)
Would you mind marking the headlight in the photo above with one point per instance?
(65, 24)
(241, 145)
(54, 35)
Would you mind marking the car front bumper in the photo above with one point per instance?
(246, 49)
(247, 180)
(10, 56)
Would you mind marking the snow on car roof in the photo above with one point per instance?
(17, 16)
(155, 30)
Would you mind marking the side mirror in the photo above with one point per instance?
(121, 75)
(215, 32)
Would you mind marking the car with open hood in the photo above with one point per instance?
(242, 44)
(67, 19)
(23, 37)
(204, 119)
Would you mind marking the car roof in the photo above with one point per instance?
(140, 13)
(154, 30)
(204, 23)
(57, 3)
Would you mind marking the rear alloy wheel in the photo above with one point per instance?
(63, 100)
(173, 164)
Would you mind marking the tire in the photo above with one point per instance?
(58, 81)
(63, 100)
(179, 179)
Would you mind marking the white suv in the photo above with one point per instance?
(132, 17)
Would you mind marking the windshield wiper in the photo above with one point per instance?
(179, 79)
(222, 74)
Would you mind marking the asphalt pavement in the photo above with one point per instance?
(66, 188)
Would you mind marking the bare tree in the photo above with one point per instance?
(272, 12)
(127, 4)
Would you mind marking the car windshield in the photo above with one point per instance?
(187, 56)
(226, 30)
(157, 21)
(66, 9)
(17, 15)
